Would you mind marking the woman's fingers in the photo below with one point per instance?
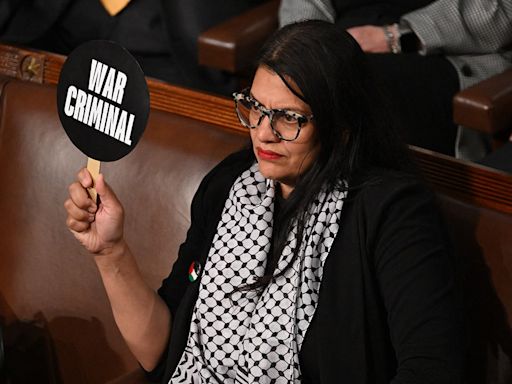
(77, 226)
(97, 227)
(80, 197)
(78, 213)
(78, 219)
(79, 206)
(84, 178)
(78, 191)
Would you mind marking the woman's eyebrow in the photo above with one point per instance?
(296, 109)
(252, 96)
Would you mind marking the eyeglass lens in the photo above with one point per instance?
(286, 125)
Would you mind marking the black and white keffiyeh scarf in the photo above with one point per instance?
(250, 337)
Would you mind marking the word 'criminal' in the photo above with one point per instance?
(93, 111)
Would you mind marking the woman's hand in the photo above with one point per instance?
(371, 38)
(141, 315)
(98, 229)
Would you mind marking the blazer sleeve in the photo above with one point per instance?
(173, 287)
(205, 213)
(471, 27)
(291, 11)
(176, 290)
(416, 277)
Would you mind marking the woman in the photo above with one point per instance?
(315, 255)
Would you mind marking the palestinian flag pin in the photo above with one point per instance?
(193, 271)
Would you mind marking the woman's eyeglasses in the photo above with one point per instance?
(285, 124)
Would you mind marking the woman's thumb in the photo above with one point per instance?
(105, 192)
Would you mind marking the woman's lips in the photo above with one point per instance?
(268, 155)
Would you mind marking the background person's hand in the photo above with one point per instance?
(98, 229)
(371, 38)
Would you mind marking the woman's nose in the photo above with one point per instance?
(265, 131)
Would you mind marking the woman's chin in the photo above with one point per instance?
(267, 171)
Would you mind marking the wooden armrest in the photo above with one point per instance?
(486, 106)
(233, 44)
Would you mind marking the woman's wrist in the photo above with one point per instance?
(112, 256)
(392, 35)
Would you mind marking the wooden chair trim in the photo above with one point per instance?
(169, 98)
(475, 184)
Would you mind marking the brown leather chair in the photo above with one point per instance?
(44, 273)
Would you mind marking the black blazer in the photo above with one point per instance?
(388, 310)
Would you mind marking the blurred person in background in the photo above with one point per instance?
(161, 34)
(423, 52)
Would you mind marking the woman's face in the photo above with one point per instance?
(281, 160)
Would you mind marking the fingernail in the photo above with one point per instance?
(93, 208)
(91, 218)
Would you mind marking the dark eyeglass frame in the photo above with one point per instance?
(270, 113)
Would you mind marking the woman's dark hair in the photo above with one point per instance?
(353, 126)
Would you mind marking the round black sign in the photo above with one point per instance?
(103, 100)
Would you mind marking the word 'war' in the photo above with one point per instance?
(111, 85)
(103, 116)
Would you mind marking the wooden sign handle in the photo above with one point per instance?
(93, 166)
